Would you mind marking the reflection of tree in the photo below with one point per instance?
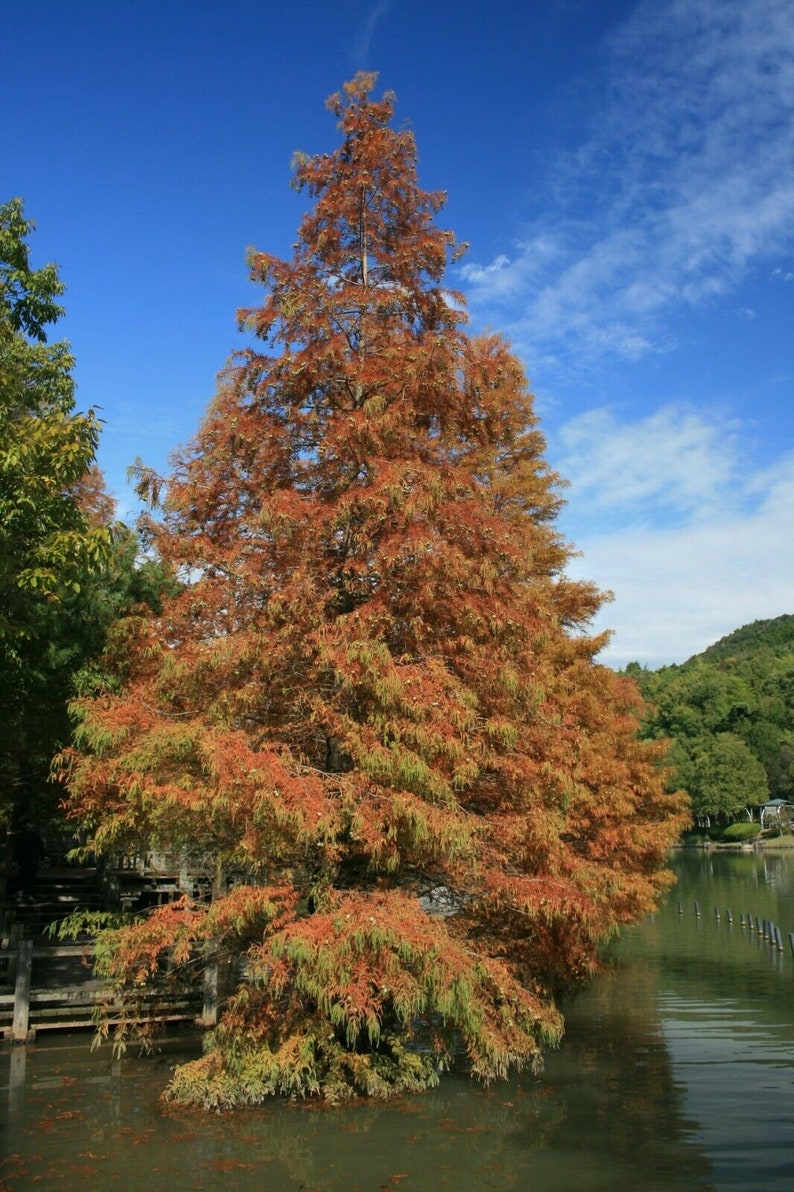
(606, 1107)
(454, 1136)
(777, 870)
(615, 1077)
(757, 883)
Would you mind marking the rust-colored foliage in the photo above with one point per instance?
(374, 706)
(93, 498)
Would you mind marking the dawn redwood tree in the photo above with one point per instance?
(373, 709)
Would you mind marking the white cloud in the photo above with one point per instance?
(679, 587)
(686, 182)
(675, 460)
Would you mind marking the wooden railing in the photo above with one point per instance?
(73, 1006)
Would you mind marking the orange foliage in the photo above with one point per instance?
(376, 691)
(93, 497)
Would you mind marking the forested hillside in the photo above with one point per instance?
(730, 714)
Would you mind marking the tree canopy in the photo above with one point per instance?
(373, 713)
(46, 447)
(54, 513)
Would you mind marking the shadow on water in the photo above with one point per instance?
(676, 1073)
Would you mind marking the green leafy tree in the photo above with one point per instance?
(50, 537)
(64, 659)
(702, 700)
(723, 777)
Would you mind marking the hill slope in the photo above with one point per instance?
(729, 712)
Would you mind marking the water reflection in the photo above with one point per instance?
(676, 1072)
(725, 1003)
(597, 1121)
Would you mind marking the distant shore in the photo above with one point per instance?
(766, 844)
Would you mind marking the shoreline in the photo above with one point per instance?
(773, 844)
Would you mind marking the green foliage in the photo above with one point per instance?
(46, 447)
(773, 638)
(701, 700)
(724, 776)
(65, 571)
(741, 831)
(729, 713)
(28, 296)
(309, 1065)
(84, 922)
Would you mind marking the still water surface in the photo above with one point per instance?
(676, 1072)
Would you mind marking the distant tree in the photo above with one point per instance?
(774, 748)
(374, 708)
(702, 699)
(723, 777)
(781, 771)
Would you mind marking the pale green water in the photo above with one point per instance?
(677, 1072)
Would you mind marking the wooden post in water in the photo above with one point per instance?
(791, 941)
(697, 908)
(16, 1072)
(778, 939)
(16, 1079)
(729, 916)
(716, 912)
(21, 1021)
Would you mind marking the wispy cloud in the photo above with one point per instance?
(364, 43)
(681, 189)
(676, 461)
(671, 515)
(685, 183)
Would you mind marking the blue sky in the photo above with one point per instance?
(623, 171)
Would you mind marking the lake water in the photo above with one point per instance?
(676, 1072)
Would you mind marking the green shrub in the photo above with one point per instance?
(743, 831)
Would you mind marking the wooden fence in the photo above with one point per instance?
(46, 1006)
